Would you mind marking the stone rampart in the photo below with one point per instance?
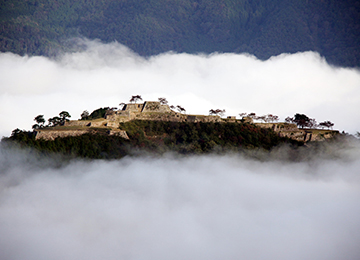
(53, 134)
(279, 126)
(303, 135)
(204, 119)
(153, 110)
(154, 106)
(133, 107)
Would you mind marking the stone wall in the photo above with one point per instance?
(279, 126)
(154, 106)
(204, 119)
(153, 110)
(53, 134)
(303, 135)
(133, 107)
(77, 123)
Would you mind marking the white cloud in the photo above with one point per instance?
(206, 207)
(107, 74)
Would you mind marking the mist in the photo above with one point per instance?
(104, 75)
(227, 206)
(173, 207)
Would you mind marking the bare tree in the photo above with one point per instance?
(327, 124)
(289, 120)
(180, 109)
(242, 114)
(220, 112)
(121, 106)
(163, 101)
(312, 123)
(262, 118)
(252, 116)
(271, 118)
(135, 98)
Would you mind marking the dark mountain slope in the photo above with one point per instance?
(261, 27)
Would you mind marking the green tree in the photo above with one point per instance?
(40, 121)
(135, 98)
(301, 120)
(64, 115)
(84, 115)
(163, 101)
(54, 121)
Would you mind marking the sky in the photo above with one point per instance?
(105, 75)
(198, 207)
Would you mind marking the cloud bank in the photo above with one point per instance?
(108, 74)
(207, 207)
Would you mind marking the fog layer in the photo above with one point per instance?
(207, 207)
(107, 74)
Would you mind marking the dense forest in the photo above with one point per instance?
(260, 27)
(157, 137)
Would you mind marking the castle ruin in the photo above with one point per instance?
(154, 110)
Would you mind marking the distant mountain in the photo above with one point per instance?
(260, 27)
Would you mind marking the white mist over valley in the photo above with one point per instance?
(199, 207)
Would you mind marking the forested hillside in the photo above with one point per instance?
(158, 137)
(260, 27)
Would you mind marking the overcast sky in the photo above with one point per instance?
(108, 74)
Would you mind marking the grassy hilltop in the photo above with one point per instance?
(155, 127)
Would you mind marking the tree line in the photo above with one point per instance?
(301, 120)
(53, 121)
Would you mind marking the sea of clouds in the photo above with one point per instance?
(171, 207)
(104, 75)
(227, 206)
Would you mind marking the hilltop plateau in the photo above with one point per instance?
(156, 127)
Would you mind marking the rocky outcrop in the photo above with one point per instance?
(120, 133)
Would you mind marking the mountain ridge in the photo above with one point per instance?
(260, 27)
